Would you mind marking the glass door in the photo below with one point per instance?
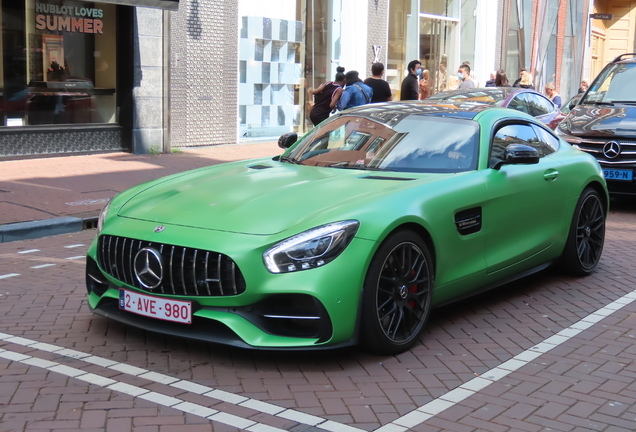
(439, 46)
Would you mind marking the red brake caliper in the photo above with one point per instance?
(413, 289)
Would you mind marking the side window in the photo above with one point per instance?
(548, 143)
(519, 103)
(539, 105)
(510, 134)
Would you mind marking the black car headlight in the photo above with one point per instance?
(102, 217)
(563, 130)
(310, 249)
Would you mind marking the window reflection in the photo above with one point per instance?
(58, 63)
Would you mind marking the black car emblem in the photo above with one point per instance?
(611, 149)
(148, 268)
(160, 228)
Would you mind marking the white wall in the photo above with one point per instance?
(282, 9)
(354, 46)
(486, 40)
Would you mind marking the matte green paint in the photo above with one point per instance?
(241, 212)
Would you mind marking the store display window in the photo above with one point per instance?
(58, 63)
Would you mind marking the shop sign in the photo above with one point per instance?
(602, 16)
(68, 18)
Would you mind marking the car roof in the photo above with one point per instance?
(391, 113)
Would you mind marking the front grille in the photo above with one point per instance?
(594, 146)
(186, 271)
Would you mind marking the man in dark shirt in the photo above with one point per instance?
(381, 89)
(410, 89)
(521, 71)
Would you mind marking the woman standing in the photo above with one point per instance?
(526, 81)
(326, 96)
(501, 80)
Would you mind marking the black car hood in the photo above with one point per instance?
(602, 121)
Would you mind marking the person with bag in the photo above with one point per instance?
(326, 96)
(356, 92)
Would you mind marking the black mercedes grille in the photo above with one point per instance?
(595, 147)
(185, 271)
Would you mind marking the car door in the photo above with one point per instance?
(525, 201)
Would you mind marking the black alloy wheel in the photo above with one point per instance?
(398, 294)
(587, 235)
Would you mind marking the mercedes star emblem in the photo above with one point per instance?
(611, 149)
(160, 228)
(148, 268)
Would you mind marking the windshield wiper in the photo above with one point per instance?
(603, 103)
(290, 160)
(345, 165)
(626, 102)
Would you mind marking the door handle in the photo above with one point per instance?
(551, 175)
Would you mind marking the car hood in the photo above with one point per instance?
(602, 121)
(251, 199)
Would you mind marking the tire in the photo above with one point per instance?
(586, 237)
(397, 294)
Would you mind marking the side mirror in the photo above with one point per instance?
(287, 140)
(521, 154)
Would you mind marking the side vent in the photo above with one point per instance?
(468, 221)
(376, 177)
(259, 167)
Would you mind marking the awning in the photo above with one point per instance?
(160, 4)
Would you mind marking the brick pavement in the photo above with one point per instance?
(43, 188)
(586, 384)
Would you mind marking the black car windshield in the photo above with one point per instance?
(614, 84)
(417, 143)
(490, 96)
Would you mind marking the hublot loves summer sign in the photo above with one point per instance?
(68, 18)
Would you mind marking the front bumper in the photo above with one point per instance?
(309, 309)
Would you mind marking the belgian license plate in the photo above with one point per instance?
(615, 174)
(156, 307)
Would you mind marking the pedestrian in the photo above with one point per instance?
(501, 80)
(425, 85)
(584, 86)
(492, 80)
(526, 81)
(410, 88)
(463, 74)
(356, 92)
(326, 96)
(381, 88)
(521, 72)
(471, 75)
(550, 91)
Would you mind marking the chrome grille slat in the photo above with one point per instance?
(162, 286)
(194, 272)
(116, 265)
(131, 257)
(207, 278)
(174, 291)
(184, 265)
(185, 290)
(218, 273)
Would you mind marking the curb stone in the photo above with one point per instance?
(40, 228)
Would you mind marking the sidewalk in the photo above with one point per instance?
(45, 195)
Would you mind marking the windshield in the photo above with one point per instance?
(491, 97)
(614, 84)
(418, 143)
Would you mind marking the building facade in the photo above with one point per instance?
(144, 75)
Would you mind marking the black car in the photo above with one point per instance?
(604, 123)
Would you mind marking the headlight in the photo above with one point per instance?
(563, 130)
(102, 217)
(310, 249)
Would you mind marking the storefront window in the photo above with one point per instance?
(58, 62)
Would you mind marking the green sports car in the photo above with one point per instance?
(353, 234)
